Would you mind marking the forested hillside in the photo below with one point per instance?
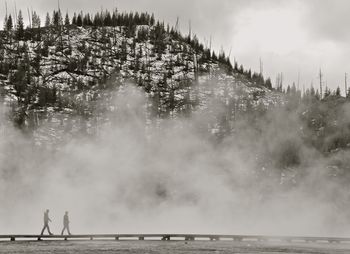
(67, 63)
(64, 76)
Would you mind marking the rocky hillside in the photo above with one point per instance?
(67, 70)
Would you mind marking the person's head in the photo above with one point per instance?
(66, 212)
(47, 210)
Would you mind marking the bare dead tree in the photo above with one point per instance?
(298, 85)
(321, 81)
(6, 9)
(15, 15)
(346, 84)
(261, 67)
(177, 24)
(29, 18)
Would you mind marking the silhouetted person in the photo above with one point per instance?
(66, 223)
(46, 223)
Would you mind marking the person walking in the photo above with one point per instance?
(46, 223)
(66, 224)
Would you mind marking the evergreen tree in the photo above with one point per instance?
(9, 23)
(97, 20)
(152, 20)
(327, 92)
(268, 83)
(107, 19)
(56, 18)
(337, 92)
(214, 57)
(115, 18)
(20, 26)
(288, 89)
(47, 20)
(241, 69)
(36, 22)
(87, 20)
(66, 20)
(80, 20)
(74, 19)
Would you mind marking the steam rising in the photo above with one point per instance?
(169, 176)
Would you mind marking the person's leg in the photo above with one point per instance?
(48, 229)
(63, 230)
(42, 231)
(68, 230)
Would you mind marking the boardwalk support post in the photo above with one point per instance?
(13, 239)
(141, 238)
(117, 238)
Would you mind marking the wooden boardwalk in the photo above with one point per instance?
(178, 237)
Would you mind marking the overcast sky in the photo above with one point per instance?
(290, 36)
